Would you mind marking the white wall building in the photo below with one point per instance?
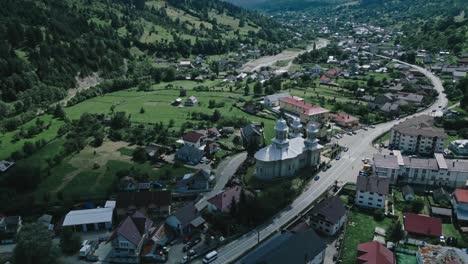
(437, 171)
(285, 157)
(328, 216)
(371, 191)
(89, 219)
(460, 204)
(418, 135)
(273, 100)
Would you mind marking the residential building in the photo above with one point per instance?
(46, 221)
(345, 120)
(458, 75)
(146, 202)
(252, 134)
(306, 112)
(189, 154)
(460, 205)
(223, 201)
(89, 219)
(371, 191)
(185, 220)
(436, 254)
(374, 253)
(194, 182)
(285, 157)
(128, 239)
(437, 171)
(418, 135)
(459, 147)
(288, 247)
(9, 228)
(328, 216)
(418, 225)
(273, 100)
(191, 101)
(194, 138)
(408, 193)
(211, 148)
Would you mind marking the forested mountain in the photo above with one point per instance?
(290, 5)
(45, 44)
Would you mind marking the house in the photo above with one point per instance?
(422, 225)
(194, 182)
(128, 183)
(190, 154)
(435, 254)
(222, 201)
(273, 100)
(89, 219)
(191, 101)
(185, 64)
(128, 239)
(252, 134)
(458, 75)
(371, 191)
(213, 133)
(46, 221)
(408, 193)
(374, 253)
(5, 165)
(155, 151)
(459, 147)
(211, 148)
(437, 171)
(345, 120)
(409, 97)
(418, 135)
(460, 205)
(250, 107)
(194, 139)
(288, 247)
(324, 80)
(328, 216)
(146, 202)
(185, 220)
(9, 228)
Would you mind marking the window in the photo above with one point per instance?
(369, 203)
(360, 196)
(371, 193)
(370, 198)
(327, 230)
(360, 201)
(380, 195)
(379, 200)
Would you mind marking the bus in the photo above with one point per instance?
(210, 257)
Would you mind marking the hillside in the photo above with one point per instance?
(46, 44)
(290, 5)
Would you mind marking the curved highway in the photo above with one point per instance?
(344, 170)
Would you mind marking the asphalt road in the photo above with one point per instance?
(343, 170)
(224, 172)
(265, 61)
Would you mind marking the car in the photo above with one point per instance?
(338, 157)
(440, 106)
(329, 165)
(324, 168)
(346, 149)
(191, 253)
(354, 132)
(364, 128)
(442, 239)
(434, 110)
(397, 118)
(185, 259)
(349, 133)
(372, 126)
(187, 247)
(316, 178)
(337, 136)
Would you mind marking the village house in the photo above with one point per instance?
(211, 148)
(374, 253)
(146, 202)
(459, 147)
(437, 171)
(306, 112)
(421, 226)
(194, 182)
(191, 101)
(345, 120)
(371, 191)
(195, 139)
(128, 239)
(418, 135)
(223, 201)
(460, 206)
(328, 216)
(185, 64)
(190, 154)
(289, 247)
(9, 228)
(273, 100)
(185, 220)
(252, 134)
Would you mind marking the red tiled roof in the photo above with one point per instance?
(192, 136)
(224, 199)
(374, 253)
(422, 224)
(461, 195)
(307, 108)
(324, 79)
(343, 117)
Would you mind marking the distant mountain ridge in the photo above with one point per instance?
(275, 5)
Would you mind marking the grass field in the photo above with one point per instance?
(8, 146)
(449, 230)
(360, 229)
(403, 258)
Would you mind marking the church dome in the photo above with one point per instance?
(312, 128)
(281, 125)
(296, 124)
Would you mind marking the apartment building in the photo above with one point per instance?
(371, 191)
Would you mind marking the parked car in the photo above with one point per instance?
(316, 178)
(338, 157)
(372, 126)
(349, 133)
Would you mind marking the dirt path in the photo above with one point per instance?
(82, 84)
(265, 61)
